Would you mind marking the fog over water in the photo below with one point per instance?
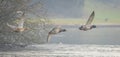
(81, 8)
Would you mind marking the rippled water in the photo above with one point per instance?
(100, 42)
(64, 50)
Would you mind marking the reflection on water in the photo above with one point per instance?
(101, 35)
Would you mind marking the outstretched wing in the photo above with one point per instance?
(55, 30)
(90, 18)
(11, 26)
(21, 23)
(48, 37)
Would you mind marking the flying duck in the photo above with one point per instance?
(88, 25)
(54, 31)
(19, 27)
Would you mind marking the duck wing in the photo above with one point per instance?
(48, 37)
(11, 26)
(55, 30)
(89, 21)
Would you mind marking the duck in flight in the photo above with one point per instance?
(19, 27)
(88, 25)
(54, 31)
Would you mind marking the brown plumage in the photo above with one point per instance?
(18, 28)
(88, 25)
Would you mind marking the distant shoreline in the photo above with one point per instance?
(98, 25)
(83, 21)
(91, 24)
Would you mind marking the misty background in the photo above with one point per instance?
(39, 12)
(82, 8)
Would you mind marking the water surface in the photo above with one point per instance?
(102, 35)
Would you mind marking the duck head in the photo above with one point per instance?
(63, 30)
(81, 27)
(93, 26)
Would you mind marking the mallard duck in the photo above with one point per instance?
(54, 31)
(88, 25)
